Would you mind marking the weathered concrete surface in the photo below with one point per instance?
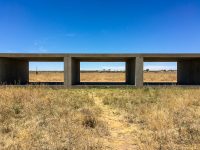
(71, 71)
(75, 71)
(188, 72)
(13, 71)
(67, 71)
(102, 57)
(139, 71)
(130, 71)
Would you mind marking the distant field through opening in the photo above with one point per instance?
(46, 72)
(160, 72)
(102, 72)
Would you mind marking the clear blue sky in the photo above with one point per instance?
(99, 26)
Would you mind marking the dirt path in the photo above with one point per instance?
(121, 133)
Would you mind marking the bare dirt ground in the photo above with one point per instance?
(120, 136)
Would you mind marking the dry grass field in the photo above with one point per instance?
(39, 117)
(103, 77)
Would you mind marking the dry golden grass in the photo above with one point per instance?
(160, 76)
(97, 118)
(46, 77)
(100, 118)
(103, 77)
(166, 118)
(42, 118)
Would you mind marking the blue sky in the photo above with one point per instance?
(99, 26)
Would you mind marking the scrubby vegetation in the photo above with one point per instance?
(98, 118)
(166, 118)
(42, 118)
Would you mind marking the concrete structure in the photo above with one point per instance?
(188, 72)
(14, 68)
(14, 71)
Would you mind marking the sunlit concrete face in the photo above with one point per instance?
(14, 68)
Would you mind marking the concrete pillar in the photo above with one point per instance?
(130, 71)
(71, 71)
(188, 72)
(139, 71)
(14, 71)
(67, 71)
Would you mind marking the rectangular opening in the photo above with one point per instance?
(102, 72)
(160, 73)
(46, 73)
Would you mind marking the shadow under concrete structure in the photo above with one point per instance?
(14, 71)
(14, 68)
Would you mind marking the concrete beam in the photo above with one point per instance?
(130, 71)
(188, 72)
(14, 71)
(139, 71)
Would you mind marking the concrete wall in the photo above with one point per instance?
(75, 71)
(67, 71)
(188, 72)
(134, 71)
(71, 71)
(13, 71)
(130, 71)
(139, 63)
